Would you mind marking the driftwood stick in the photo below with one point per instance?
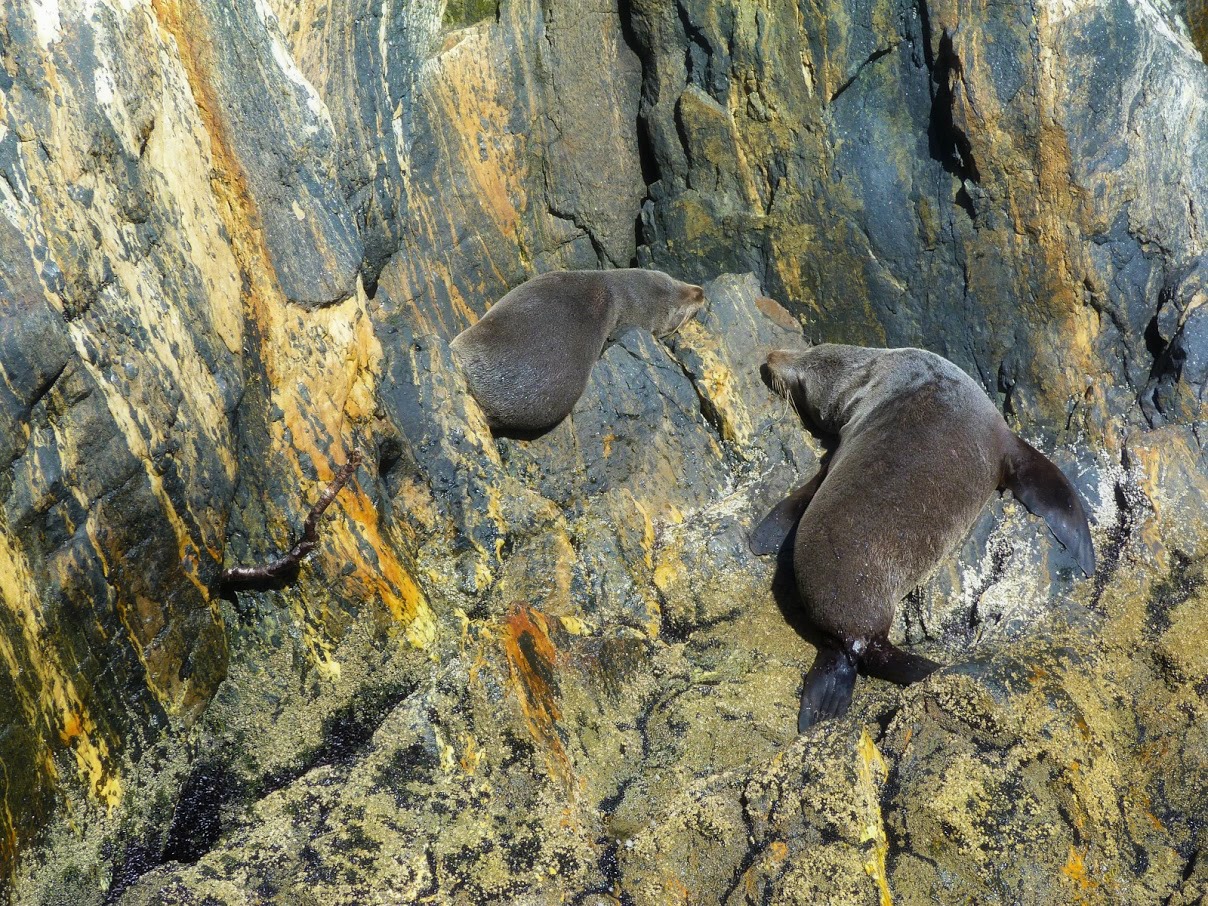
(287, 563)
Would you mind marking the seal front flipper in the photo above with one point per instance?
(1045, 491)
(828, 687)
(888, 662)
(769, 535)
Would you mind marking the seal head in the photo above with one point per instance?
(652, 300)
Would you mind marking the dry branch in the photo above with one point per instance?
(289, 562)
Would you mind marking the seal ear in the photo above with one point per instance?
(769, 535)
(1045, 491)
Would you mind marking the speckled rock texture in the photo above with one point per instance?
(236, 237)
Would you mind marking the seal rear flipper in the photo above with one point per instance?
(769, 535)
(1045, 491)
(888, 662)
(828, 687)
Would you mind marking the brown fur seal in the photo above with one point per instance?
(921, 449)
(527, 360)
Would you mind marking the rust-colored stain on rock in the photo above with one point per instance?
(532, 663)
(777, 313)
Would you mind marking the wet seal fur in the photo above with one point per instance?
(527, 360)
(921, 449)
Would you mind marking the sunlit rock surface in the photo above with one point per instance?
(235, 240)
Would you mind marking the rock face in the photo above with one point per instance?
(235, 240)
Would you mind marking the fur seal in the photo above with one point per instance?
(527, 360)
(921, 449)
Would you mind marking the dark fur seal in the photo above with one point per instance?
(527, 360)
(921, 449)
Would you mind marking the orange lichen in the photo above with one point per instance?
(1075, 869)
(532, 662)
(320, 368)
(382, 575)
(472, 755)
(72, 728)
(239, 212)
(675, 891)
(466, 89)
(1147, 809)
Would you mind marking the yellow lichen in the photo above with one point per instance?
(873, 772)
(575, 625)
(717, 385)
(448, 757)
(49, 696)
(647, 531)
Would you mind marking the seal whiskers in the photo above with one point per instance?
(781, 389)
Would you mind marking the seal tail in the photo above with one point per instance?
(775, 527)
(1046, 492)
(888, 662)
(828, 687)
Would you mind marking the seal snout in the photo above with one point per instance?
(777, 372)
(778, 358)
(777, 366)
(689, 304)
(694, 298)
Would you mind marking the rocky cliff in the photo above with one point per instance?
(235, 240)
